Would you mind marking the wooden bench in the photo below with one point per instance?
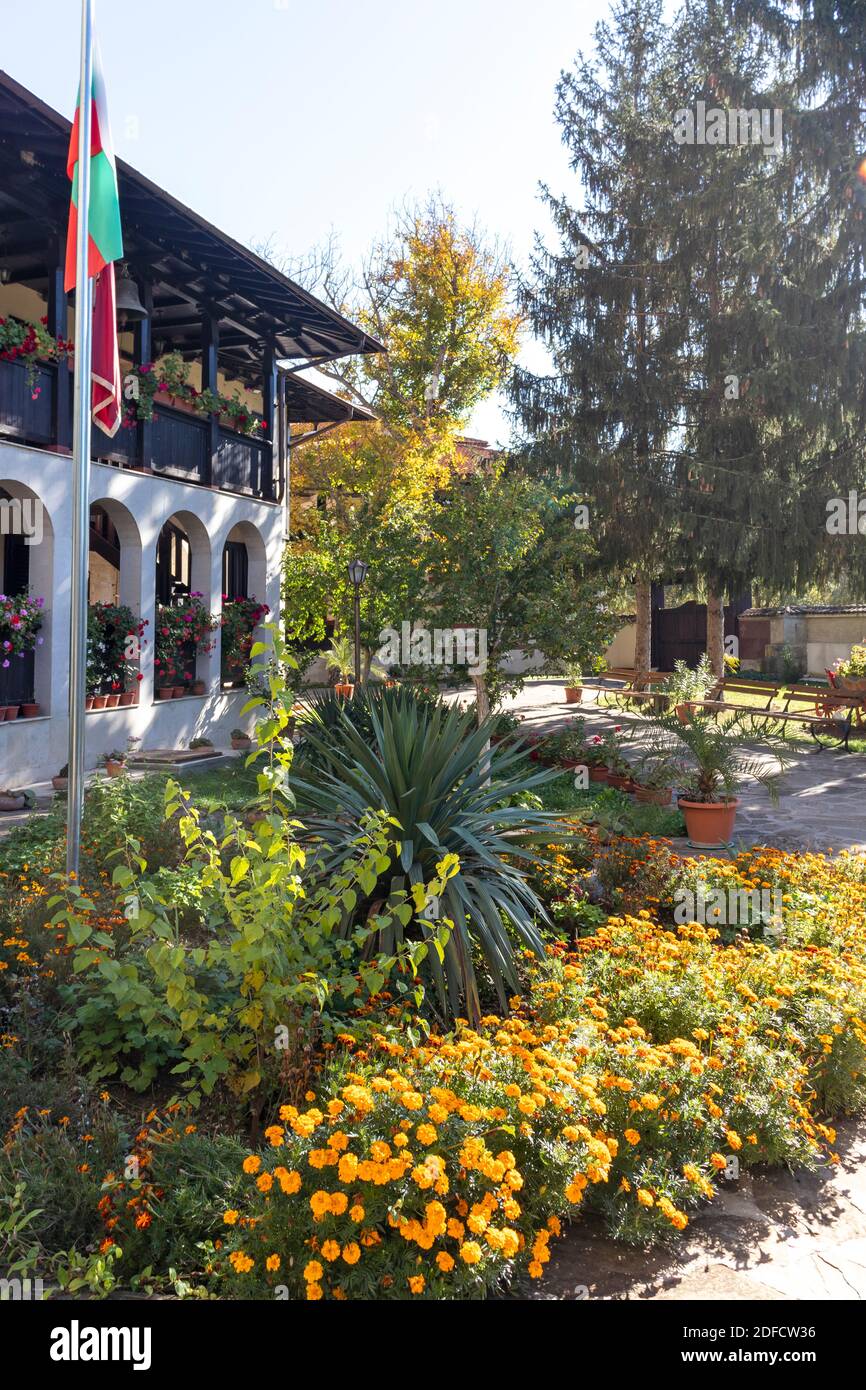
(826, 713)
(626, 692)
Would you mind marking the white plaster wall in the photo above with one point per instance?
(34, 750)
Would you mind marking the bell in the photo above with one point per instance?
(129, 305)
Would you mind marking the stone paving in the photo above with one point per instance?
(823, 800)
(773, 1235)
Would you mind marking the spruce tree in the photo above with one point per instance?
(604, 303)
(770, 268)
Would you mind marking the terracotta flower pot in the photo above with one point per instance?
(709, 824)
(164, 692)
(598, 774)
(99, 701)
(345, 689)
(112, 701)
(30, 710)
(113, 768)
(198, 687)
(88, 703)
(179, 691)
(616, 779)
(12, 711)
(684, 712)
(12, 803)
(653, 796)
(60, 783)
(573, 694)
(127, 698)
(240, 743)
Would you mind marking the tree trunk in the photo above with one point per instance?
(716, 634)
(643, 632)
(482, 701)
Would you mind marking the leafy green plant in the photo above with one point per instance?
(713, 757)
(685, 683)
(429, 770)
(340, 657)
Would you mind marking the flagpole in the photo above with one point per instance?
(80, 458)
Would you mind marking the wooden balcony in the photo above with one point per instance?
(175, 443)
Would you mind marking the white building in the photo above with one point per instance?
(180, 502)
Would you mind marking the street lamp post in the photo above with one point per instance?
(358, 573)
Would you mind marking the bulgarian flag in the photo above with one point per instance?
(104, 246)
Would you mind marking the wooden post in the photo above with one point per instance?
(58, 328)
(269, 433)
(143, 352)
(210, 341)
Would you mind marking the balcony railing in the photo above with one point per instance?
(174, 443)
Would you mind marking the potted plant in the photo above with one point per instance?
(198, 687)
(61, 781)
(341, 659)
(851, 673)
(573, 682)
(113, 762)
(239, 620)
(566, 748)
(594, 757)
(182, 629)
(200, 742)
(685, 685)
(29, 710)
(619, 773)
(240, 739)
(12, 711)
(164, 692)
(713, 760)
(654, 775)
(99, 701)
(12, 800)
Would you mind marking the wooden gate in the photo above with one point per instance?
(680, 634)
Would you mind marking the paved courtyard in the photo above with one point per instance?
(823, 801)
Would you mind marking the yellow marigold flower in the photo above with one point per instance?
(718, 1161)
(275, 1135)
(272, 1262)
(264, 1182)
(416, 1283)
(426, 1134)
(347, 1168)
(445, 1261)
(470, 1252)
(252, 1163)
(734, 1139)
(645, 1198)
(339, 1203)
(412, 1100)
(632, 1136)
(320, 1202)
(331, 1250)
(357, 1212)
(400, 1141)
(240, 1262)
(455, 1228)
(314, 1293)
(313, 1272)
(351, 1253)
(536, 1270)
(230, 1216)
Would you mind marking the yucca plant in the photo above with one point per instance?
(432, 770)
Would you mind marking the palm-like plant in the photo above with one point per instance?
(341, 657)
(430, 768)
(711, 756)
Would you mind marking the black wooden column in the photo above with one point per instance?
(143, 352)
(58, 328)
(210, 342)
(269, 396)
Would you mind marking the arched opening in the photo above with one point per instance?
(26, 586)
(115, 631)
(244, 574)
(184, 638)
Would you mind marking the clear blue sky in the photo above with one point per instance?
(288, 118)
